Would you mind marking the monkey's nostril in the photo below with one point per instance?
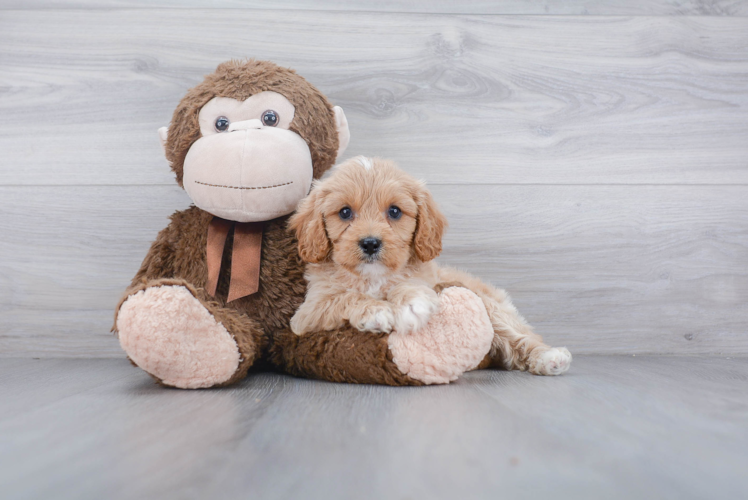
(370, 246)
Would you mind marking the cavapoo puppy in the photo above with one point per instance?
(370, 232)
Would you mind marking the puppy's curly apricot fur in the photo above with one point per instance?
(389, 283)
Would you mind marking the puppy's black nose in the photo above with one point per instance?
(370, 246)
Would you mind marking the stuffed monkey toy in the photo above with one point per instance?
(216, 291)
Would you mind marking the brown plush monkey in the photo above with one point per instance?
(219, 285)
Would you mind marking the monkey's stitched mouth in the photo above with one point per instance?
(244, 187)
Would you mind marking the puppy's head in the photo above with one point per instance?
(368, 211)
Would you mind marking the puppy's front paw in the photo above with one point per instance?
(554, 361)
(297, 324)
(377, 319)
(415, 314)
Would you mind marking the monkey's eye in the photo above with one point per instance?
(346, 213)
(270, 118)
(222, 124)
(394, 212)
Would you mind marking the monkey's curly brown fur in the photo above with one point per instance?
(259, 323)
(314, 119)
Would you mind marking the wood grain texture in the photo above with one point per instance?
(594, 166)
(68, 256)
(513, 7)
(456, 99)
(613, 427)
(600, 269)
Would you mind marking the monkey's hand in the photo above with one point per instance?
(447, 284)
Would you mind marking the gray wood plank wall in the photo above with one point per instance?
(505, 7)
(595, 166)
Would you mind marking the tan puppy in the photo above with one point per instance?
(370, 233)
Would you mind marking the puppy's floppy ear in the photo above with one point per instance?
(309, 225)
(430, 225)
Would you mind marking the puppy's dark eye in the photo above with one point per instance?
(222, 124)
(270, 118)
(346, 213)
(394, 212)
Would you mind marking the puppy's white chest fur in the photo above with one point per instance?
(375, 277)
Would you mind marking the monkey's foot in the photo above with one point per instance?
(168, 333)
(455, 340)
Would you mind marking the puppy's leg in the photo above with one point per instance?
(321, 312)
(415, 302)
(371, 315)
(515, 346)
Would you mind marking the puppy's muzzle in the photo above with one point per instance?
(370, 246)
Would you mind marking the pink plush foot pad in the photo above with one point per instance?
(167, 332)
(456, 339)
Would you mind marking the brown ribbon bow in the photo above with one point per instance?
(245, 256)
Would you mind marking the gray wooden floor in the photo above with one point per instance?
(614, 427)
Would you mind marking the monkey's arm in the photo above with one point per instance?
(181, 239)
(342, 355)
(454, 341)
(157, 265)
(158, 262)
(179, 249)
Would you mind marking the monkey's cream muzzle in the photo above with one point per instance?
(250, 170)
(250, 173)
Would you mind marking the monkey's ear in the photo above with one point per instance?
(309, 225)
(430, 225)
(163, 134)
(344, 135)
